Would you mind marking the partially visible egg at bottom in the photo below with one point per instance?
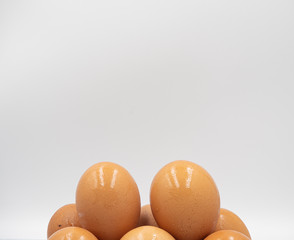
(147, 233)
(227, 235)
(230, 221)
(66, 216)
(72, 233)
(146, 217)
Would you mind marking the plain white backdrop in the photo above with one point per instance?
(142, 84)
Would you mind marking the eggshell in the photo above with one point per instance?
(147, 233)
(227, 235)
(146, 217)
(72, 233)
(108, 201)
(185, 200)
(230, 221)
(66, 216)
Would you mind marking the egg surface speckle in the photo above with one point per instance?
(147, 233)
(108, 201)
(227, 235)
(230, 221)
(66, 216)
(185, 200)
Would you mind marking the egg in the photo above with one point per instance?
(147, 233)
(108, 201)
(66, 216)
(230, 221)
(185, 200)
(227, 235)
(146, 217)
(72, 233)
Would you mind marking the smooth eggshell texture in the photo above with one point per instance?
(147, 233)
(185, 200)
(108, 201)
(65, 216)
(230, 221)
(227, 235)
(72, 233)
(146, 217)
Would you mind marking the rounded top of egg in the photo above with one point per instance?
(72, 233)
(147, 233)
(230, 221)
(227, 235)
(66, 216)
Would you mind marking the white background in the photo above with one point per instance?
(142, 84)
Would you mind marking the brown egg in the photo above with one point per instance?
(185, 200)
(147, 233)
(65, 216)
(227, 235)
(146, 217)
(230, 221)
(108, 201)
(72, 233)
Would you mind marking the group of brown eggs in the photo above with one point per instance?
(184, 205)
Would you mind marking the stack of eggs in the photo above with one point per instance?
(184, 205)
